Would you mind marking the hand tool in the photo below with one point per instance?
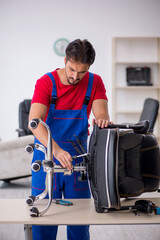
(62, 202)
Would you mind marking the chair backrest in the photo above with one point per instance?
(150, 112)
(24, 108)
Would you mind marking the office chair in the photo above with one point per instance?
(24, 108)
(150, 112)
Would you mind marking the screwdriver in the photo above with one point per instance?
(62, 202)
(82, 155)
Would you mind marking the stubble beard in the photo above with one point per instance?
(73, 83)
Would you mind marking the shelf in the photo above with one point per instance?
(127, 101)
(137, 50)
(144, 63)
(127, 112)
(138, 87)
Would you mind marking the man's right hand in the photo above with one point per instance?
(62, 156)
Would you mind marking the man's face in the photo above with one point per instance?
(75, 71)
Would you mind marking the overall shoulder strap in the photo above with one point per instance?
(54, 89)
(89, 89)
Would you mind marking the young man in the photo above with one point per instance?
(64, 99)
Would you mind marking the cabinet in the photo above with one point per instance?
(127, 101)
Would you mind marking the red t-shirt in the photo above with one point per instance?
(69, 97)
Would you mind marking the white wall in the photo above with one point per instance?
(28, 30)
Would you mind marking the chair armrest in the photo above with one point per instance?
(21, 132)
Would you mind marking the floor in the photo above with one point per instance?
(21, 189)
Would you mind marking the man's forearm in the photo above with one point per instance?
(100, 112)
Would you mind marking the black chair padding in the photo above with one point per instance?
(24, 108)
(102, 172)
(150, 112)
(139, 164)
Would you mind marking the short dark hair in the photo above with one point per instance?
(81, 51)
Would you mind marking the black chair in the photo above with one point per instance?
(150, 112)
(24, 108)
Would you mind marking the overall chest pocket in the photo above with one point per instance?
(67, 123)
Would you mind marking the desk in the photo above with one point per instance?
(82, 212)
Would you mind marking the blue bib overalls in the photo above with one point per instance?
(64, 124)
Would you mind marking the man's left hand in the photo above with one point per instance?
(101, 122)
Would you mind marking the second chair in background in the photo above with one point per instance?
(150, 112)
(24, 108)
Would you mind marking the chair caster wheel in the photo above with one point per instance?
(36, 166)
(30, 148)
(34, 212)
(30, 200)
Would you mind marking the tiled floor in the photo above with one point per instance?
(21, 189)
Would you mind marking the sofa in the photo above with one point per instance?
(14, 160)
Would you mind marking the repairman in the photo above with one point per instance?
(64, 99)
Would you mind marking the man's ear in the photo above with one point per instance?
(65, 60)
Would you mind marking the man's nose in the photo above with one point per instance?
(75, 75)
